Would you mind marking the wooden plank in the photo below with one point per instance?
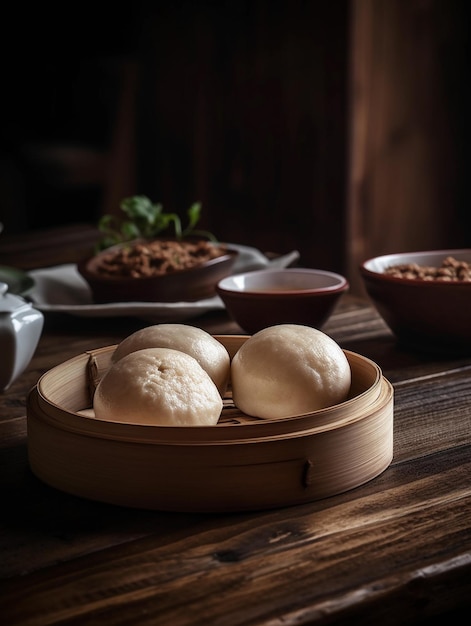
(408, 105)
(240, 566)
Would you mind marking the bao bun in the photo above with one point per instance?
(288, 370)
(208, 351)
(158, 386)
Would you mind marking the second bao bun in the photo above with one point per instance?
(208, 351)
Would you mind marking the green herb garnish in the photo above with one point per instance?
(146, 220)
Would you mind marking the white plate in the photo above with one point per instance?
(61, 289)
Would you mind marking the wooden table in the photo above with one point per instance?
(394, 551)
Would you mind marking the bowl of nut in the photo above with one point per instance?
(424, 297)
(140, 262)
(157, 270)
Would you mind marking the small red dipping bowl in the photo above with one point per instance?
(264, 298)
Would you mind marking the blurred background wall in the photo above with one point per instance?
(338, 128)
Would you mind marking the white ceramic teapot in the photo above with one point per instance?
(20, 329)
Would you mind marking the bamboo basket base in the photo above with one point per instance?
(240, 464)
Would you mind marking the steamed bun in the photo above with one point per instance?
(158, 386)
(288, 370)
(208, 351)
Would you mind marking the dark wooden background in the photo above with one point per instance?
(337, 128)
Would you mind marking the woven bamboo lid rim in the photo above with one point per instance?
(145, 433)
(257, 430)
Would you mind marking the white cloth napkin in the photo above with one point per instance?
(62, 289)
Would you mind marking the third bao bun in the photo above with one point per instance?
(288, 370)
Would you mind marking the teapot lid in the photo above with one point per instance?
(9, 302)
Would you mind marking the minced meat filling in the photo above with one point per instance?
(154, 258)
(450, 270)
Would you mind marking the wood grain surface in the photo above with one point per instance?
(396, 550)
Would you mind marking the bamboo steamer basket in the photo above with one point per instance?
(240, 464)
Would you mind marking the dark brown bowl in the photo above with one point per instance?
(264, 298)
(433, 315)
(186, 285)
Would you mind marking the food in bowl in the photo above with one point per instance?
(450, 269)
(208, 351)
(288, 370)
(158, 386)
(138, 263)
(424, 309)
(141, 259)
(164, 270)
(263, 298)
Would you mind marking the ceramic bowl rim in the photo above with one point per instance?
(340, 285)
(395, 258)
(84, 269)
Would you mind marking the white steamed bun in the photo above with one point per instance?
(208, 351)
(158, 386)
(288, 370)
